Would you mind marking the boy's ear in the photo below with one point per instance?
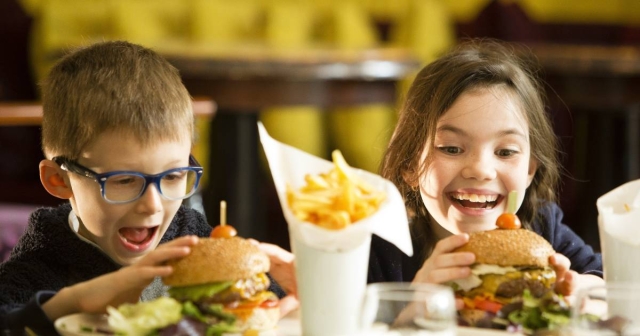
(533, 167)
(53, 179)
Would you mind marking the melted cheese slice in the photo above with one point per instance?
(477, 270)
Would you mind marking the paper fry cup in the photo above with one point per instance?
(332, 265)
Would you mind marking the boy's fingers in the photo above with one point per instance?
(275, 251)
(158, 257)
(183, 241)
(288, 304)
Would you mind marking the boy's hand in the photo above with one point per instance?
(443, 265)
(568, 281)
(283, 271)
(123, 286)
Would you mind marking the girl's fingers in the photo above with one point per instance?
(567, 284)
(454, 259)
(450, 243)
(443, 275)
(559, 261)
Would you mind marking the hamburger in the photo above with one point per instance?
(223, 284)
(511, 265)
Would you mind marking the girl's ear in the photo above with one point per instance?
(533, 167)
(53, 180)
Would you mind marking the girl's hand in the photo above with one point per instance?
(122, 286)
(443, 265)
(567, 281)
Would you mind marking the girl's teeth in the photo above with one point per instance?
(476, 198)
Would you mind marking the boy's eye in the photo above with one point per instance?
(506, 152)
(450, 150)
(122, 179)
(174, 176)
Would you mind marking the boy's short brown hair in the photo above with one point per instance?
(108, 86)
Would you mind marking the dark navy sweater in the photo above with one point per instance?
(387, 263)
(50, 256)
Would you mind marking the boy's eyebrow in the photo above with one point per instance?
(461, 132)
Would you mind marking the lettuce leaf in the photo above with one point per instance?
(144, 318)
(193, 293)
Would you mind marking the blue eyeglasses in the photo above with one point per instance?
(119, 187)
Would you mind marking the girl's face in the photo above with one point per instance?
(480, 153)
(126, 232)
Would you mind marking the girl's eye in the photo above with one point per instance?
(506, 152)
(450, 150)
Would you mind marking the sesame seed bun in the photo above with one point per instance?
(509, 248)
(216, 260)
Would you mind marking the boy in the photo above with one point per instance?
(117, 132)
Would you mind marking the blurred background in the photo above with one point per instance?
(587, 50)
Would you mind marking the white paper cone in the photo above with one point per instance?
(332, 265)
(619, 228)
(331, 287)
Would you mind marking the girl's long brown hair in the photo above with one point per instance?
(471, 65)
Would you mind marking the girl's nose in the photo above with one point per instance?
(151, 200)
(479, 166)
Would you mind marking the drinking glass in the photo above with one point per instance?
(409, 309)
(611, 309)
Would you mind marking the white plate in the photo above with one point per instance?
(82, 325)
(467, 331)
(91, 325)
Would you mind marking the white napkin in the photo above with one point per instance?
(289, 165)
(620, 221)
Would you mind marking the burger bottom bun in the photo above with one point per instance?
(261, 319)
(472, 316)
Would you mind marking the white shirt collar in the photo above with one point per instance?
(74, 224)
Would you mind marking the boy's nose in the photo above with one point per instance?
(479, 166)
(151, 200)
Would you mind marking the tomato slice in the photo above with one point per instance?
(487, 305)
(269, 304)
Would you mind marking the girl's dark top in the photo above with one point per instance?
(387, 263)
(50, 256)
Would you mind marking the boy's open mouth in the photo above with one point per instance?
(475, 201)
(137, 236)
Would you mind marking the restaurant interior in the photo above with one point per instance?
(587, 50)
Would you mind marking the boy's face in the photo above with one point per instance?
(481, 152)
(126, 232)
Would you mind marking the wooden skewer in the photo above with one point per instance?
(223, 213)
(512, 201)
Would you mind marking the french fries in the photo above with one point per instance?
(336, 199)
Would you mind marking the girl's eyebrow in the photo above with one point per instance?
(461, 132)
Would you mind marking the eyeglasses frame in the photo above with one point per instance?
(73, 166)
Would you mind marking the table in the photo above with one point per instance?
(600, 85)
(245, 79)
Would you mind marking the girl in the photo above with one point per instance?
(473, 127)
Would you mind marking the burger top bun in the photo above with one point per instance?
(509, 248)
(217, 260)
